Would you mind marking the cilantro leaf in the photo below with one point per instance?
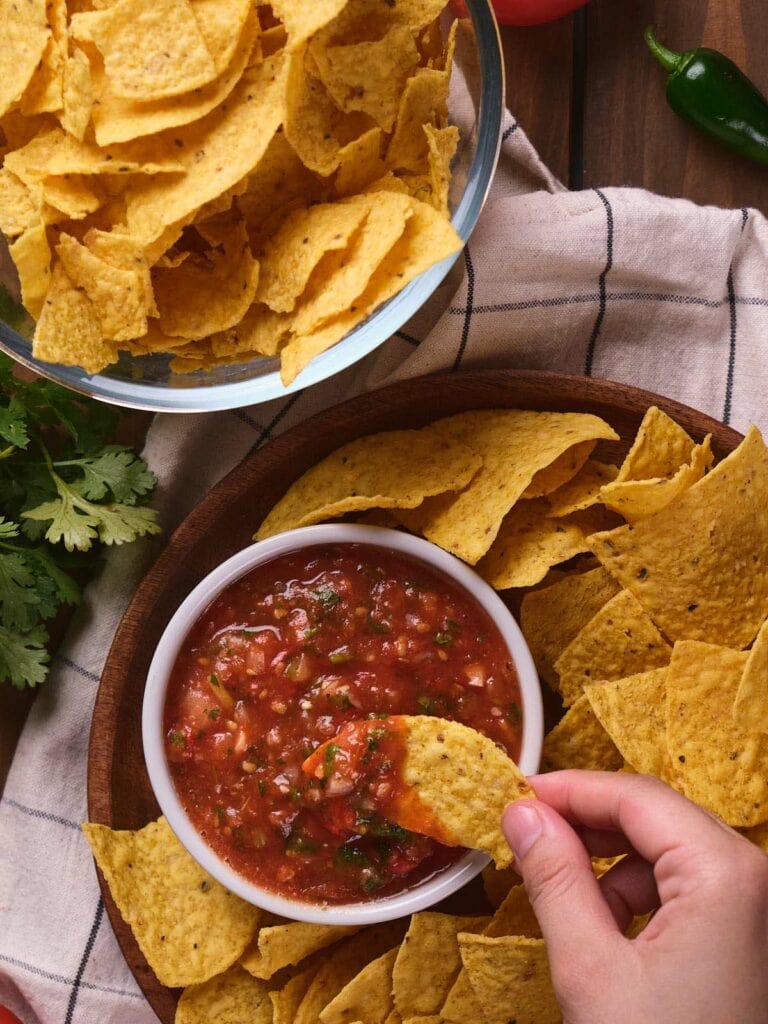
(8, 529)
(23, 657)
(116, 469)
(78, 522)
(63, 587)
(13, 424)
(19, 600)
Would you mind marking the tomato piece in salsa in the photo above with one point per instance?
(279, 663)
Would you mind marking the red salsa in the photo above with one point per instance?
(277, 665)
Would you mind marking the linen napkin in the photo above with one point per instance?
(613, 283)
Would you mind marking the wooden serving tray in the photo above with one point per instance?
(119, 793)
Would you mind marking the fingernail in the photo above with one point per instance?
(522, 826)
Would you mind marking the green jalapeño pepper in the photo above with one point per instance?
(707, 89)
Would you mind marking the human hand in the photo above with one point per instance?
(702, 959)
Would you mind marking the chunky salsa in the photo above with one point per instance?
(277, 665)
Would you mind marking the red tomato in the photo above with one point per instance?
(525, 12)
(6, 1017)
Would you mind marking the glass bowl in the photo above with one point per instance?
(476, 105)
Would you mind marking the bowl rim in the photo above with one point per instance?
(388, 319)
(421, 896)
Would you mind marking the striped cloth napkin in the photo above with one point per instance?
(614, 283)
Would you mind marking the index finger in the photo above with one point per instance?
(653, 817)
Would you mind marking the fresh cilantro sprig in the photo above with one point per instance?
(64, 493)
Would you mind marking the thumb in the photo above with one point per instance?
(558, 877)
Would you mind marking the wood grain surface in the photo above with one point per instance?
(118, 788)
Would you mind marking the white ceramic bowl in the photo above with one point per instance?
(387, 908)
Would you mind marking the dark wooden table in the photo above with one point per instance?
(591, 99)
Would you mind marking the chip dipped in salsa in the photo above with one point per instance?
(279, 663)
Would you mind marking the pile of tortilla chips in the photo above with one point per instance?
(221, 180)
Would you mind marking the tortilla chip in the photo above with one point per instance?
(620, 640)
(43, 95)
(679, 564)
(230, 998)
(342, 277)
(560, 471)
(552, 617)
(221, 24)
(368, 994)
(360, 163)
(442, 144)
(208, 293)
(583, 491)
(529, 543)
(515, 445)
(287, 1000)
(396, 469)
(638, 499)
(260, 332)
(579, 740)
(297, 248)
(428, 961)
(427, 239)
(423, 102)
(277, 184)
(515, 916)
(497, 882)
(717, 763)
(118, 296)
(346, 963)
(24, 35)
(18, 210)
(369, 77)
(186, 924)
(217, 152)
(633, 713)
(68, 331)
(659, 450)
(283, 945)
(116, 119)
(152, 49)
(77, 95)
(302, 21)
(31, 254)
(750, 708)
(510, 977)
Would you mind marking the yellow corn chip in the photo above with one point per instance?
(287, 1000)
(152, 49)
(515, 445)
(118, 297)
(116, 119)
(342, 278)
(24, 35)
(638, 499)
(230, 998)
(579, 740)
(391, 470)
(187, 925)
(510, 977)
(43, 95)
(583, 491)
(423, 102)
(18, 210)
(67, 330)
(427, 239)
(221, 23)
(283, 945)
(368, 994)
(750, 708)
(77, 95)
(497, 882)
(370, 76)
(529, 543)
(279, 183)
(209, 293)
(515, 916)
(559, 472)
(260, 332)
(216, 152)
(428, 961)
(302, 21)
(360, 163)
(618, 641)
(680, 563)
(347, 962)
(294, 252)
(659, 450)
(442, 144)
(633, 713)
(717, 763)
(551, 618)
(31, 254)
